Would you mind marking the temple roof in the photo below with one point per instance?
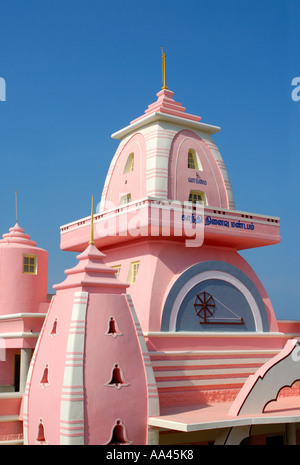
(166, 109)
(91, 271)
(166, 104)
(16, 235)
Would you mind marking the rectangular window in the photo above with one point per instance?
(29, 264)
(133, 271)
(125, 199)
(196, 196)
(118, 269)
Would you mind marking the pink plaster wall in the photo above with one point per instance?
(10, 404)
(7, 368)
(106, 404)
(289, 327)
(143, 287)
(179, 173)
(22, 324)
(44, 401)
(161, 263)
(20, 292)
(133, 182)
(236, 342)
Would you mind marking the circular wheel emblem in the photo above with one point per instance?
(204, 305)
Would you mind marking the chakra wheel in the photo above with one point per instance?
(204, 306)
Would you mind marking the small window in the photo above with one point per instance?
(129, 164)
(29, 264)
(196, 196)
(118, 269)
(193, 160)
(133, 271)
(125, 199)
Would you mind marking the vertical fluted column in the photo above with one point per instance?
(72, 396)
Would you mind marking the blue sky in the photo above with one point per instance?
(77, 71)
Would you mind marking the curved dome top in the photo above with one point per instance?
(16, 235)
(167, 154)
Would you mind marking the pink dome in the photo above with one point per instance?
(16, 236)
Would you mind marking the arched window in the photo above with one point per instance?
(193, 160)
(126, 198)
(129, 163)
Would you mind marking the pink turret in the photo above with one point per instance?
(23, 273)
(23, 303)
(23, 307)
(88, 374)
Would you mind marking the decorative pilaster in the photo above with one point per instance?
(72, 396)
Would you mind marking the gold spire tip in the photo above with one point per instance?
(92, 242)
(164, 69)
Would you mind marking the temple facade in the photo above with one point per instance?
(160, 316)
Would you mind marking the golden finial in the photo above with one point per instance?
(92, 242)
(164, 68)
(16, 197)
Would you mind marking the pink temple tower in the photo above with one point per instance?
(162, 322)
(166, 167)
(23, 307)
(88, 381)
(166, 186)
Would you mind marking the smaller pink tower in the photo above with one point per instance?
(23, 307)
(88, 381)
(23, 278)
(23, 303)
